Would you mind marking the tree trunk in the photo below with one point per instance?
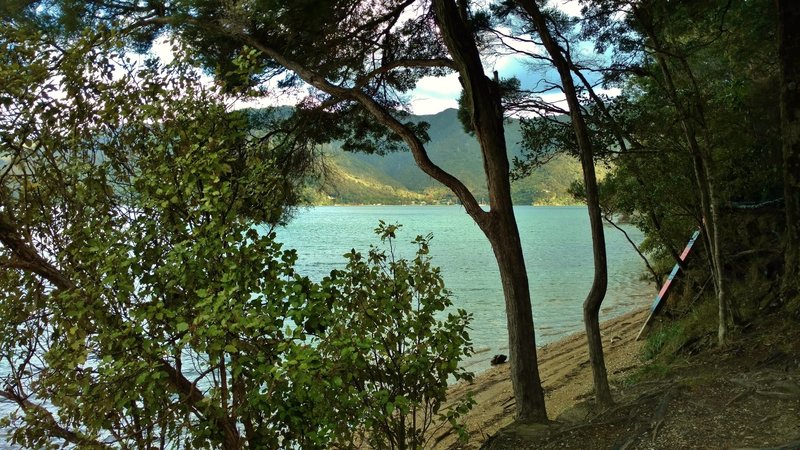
(789, 51)
(723, 300)
(709, 206)
(702, 165)
(504, 237)
(501, 228)
(591, 306)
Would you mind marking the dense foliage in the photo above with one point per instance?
(693, 139)
(145, 303)
(701, 114)
(131, 197)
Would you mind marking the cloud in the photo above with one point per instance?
(571, 7)
(435, 94)
(446, 87)
(423, 106)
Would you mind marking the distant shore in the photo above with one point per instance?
(434, 204)
(566, 377)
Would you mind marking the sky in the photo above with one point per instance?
(435, 94)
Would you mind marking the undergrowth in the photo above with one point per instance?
(672, 339)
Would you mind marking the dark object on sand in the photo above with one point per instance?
(499, 359)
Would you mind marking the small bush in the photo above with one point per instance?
(395, 346)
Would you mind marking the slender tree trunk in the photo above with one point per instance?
(703, 170)
(709, 206)
(723, 301)
(504, 237)
(591, 306)
(500, 226)
(789, 50)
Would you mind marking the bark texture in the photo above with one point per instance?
(591, 306)
(501, 227)
(789, 51)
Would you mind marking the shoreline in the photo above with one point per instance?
(479, 363)
(565, 373)
(538, 205)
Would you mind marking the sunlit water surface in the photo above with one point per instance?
(558, 254)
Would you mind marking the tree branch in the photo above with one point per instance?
(46, 420)
(25, 257)
(380, 113)
(407, 64)
(383, 116)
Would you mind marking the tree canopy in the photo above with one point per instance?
(136, 204)
(145, 300)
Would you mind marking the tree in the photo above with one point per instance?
(387, 333)
(789, 47)
(675, 49)
(359, 57)
(483, 100)
(692, 119)
(541, 24)
(129, 206)
(113, 277)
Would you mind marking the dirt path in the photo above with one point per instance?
(566, 377)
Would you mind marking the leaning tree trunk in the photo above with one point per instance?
(702, 165)
(591, 306)
(504, 237)
(789, 51)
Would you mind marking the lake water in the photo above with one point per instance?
(558, 254)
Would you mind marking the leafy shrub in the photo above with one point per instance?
(396, 347)
(140, 307)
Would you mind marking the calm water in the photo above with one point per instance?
(557, 248)
(558, 255)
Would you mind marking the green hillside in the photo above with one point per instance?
(357, 178)
(348, 180)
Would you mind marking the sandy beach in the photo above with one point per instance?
(566, 376)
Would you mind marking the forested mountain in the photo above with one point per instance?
(394, 178)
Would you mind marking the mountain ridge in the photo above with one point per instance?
(394, 178)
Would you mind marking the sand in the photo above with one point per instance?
(566, 377)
